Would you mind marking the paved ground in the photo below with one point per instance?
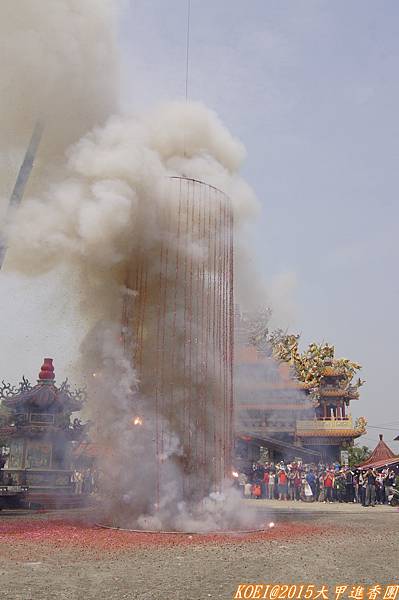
(46, 556)
(316, 508)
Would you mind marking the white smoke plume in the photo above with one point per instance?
(112, 183)
(58, 62)
(91, 210)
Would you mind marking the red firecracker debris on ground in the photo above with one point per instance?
(67, 534)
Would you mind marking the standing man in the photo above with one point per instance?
(350, 490)
(371, 477)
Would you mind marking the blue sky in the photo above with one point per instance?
(312, 90)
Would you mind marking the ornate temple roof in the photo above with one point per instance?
(381, 455)
(331, 371)
(45, 395)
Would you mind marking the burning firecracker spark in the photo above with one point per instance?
(137, 421)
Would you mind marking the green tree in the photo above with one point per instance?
(358, 454)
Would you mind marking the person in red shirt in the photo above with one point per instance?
(256, 491)
(328, 486)
(283, 485)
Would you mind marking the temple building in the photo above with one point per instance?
(36, 429)
(288, 405)
(269, 403)
(332, 426)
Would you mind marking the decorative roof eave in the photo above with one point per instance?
(333, 393)
(44, 394)
(330, 371)
(342, 433)
(378, 464)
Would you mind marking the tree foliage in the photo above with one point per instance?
(308, 366)
(358, 455)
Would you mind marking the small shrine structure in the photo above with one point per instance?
(381, 457)
(36, 427)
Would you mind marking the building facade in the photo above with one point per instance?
(280, 416)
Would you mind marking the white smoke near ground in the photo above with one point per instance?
(91, 210)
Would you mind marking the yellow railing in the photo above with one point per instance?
(257, 425)
(325, 424)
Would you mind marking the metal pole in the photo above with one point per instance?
(22, 180)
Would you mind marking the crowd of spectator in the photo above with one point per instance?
(322, 483)
(84, 481)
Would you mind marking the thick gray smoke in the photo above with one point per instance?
(109, 209)
(58, 62)
(87, 211)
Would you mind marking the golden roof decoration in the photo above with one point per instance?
(312, 366)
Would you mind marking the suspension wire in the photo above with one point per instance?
(188, 45)
(385, 428)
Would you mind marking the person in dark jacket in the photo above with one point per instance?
(370, 477)
(349, 487)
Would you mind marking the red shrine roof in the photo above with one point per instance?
(45, 394)
(382, 455)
